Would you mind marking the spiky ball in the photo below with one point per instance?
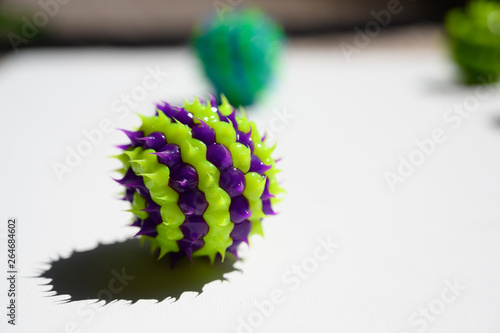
(240, 51)
(475, 39)
(199, 178)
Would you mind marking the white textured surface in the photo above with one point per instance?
(397, 249)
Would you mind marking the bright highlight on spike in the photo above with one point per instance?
(199, 179)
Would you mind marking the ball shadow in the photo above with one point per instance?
(127, 271)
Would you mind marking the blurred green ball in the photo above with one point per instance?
(474, 34)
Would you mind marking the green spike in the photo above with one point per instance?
(138, 204)
(241, 155)
(225, 108)
(243, 124)
(224, 133)
(172, 215)
(161, 124)
(193, 151)
(256, 228)
(255, 185)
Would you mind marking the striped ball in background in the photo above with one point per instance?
(240, 52)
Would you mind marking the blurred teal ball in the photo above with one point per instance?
(240, 51)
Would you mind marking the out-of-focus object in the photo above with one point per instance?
(15, 31)
(8, 24)
(475, 40)
(240, 51)
(162, 22)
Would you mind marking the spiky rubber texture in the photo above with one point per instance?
(199, 178)
(474, 39)
(240, 53)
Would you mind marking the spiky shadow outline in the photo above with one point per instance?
(127, 271)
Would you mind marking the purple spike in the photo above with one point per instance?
(239, 210)
(137, 222)
(239, 234)
(188, 246)
(148, 228)
(167, 109)
(194, 228)
(241, 230)
(155, 141)
(187, 243)
(213, 101)
(204, 133)
(154, 211)
(129, 177)
(266, 194)
(131, 180)
(169, 154)
(143, 190)
(192, 202)
(245, 138)
(184, 117)
(134, 137)
(256, 165)
(264, 136)
(189, 252)
(122, 147)
(129, 194)
(137, 184)
(232, 181)
(266, 207)
(219, 155)
(174, 112)
(233, 249)
(183, 177)
(231, 118)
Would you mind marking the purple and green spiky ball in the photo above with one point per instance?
(199, 178)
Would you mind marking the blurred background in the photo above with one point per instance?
(349, 119)
(168, 22)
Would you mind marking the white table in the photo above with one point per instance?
(398, 251)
